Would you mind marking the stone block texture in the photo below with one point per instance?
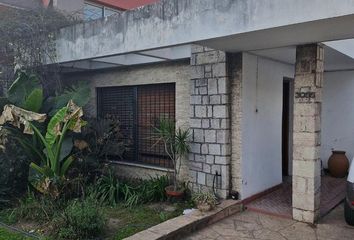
(210, 120)
(307, 129)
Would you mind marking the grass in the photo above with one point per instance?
(7, 216)
(139, 218)
(7, 235)
(129, 220)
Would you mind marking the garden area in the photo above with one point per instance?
(56, 182)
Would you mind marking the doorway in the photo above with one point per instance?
(286, 127)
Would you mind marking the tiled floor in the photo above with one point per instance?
(251, 225)
(279, 202)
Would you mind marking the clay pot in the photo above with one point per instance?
(170, 192)
(338, 164)
(204, 207)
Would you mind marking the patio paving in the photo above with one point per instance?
(278, 202)
(251, 225)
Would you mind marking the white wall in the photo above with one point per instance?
(337, 114)
(262, 129)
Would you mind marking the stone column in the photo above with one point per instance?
(210, 120)
(235, 72)
(306, 133)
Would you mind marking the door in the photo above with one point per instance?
(285, 127)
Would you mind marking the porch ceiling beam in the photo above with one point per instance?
(223, 24)
(149, 55)
(88, 65)
(108, 63)
(129, 59)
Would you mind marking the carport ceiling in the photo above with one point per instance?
(336, 57)
(129, 59)
(335, 60)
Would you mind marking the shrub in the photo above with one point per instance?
(34, 208)
(154, 189)
(201, 198)
(14, 169)
(82, 220)
(111, 190)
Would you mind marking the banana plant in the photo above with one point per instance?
(26, 92)
(57, 147)
(55, 159)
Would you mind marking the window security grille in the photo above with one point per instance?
(139, 109)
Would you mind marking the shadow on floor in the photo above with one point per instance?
(279, 202)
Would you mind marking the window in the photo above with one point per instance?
(109, 11)
(139, 109)
(92, 12)
(95, 11)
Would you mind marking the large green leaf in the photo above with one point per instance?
(79, 94)
(22, 87)
(34, 100)
(54, 125)
(44, 171)
(66, 147)
(66, 164)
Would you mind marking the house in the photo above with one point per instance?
(89, 9)
(265, 87)
(95, 9)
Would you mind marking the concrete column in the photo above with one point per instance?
(235, 72)
(210, 120)
(306, 133)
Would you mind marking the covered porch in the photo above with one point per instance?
(290, 102)
(278, 201)
(236, 85)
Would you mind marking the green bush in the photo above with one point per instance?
(14, 170)
(111, 190)
(82, 220)
(39, 209)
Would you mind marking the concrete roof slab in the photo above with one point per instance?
(220, 23)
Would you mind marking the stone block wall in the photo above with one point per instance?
(306, 132)
(210, 120)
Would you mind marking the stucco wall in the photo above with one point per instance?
(177, 72)
(262, 89)
(337, 114)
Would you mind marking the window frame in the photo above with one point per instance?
(162, 161)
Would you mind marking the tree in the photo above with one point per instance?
(27, 40)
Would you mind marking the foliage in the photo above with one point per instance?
(7, 235)
(175, 142)
(57, 159)
(101, 138)
(78, 93)
(49, 158)
(111, 190)
(14, 170)
(4, 197)
(141, 217)
(33, 208)
(26, 92)
(82, 220)
(28, 35)
(204, 197)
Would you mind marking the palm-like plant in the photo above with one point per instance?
(176, 144)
